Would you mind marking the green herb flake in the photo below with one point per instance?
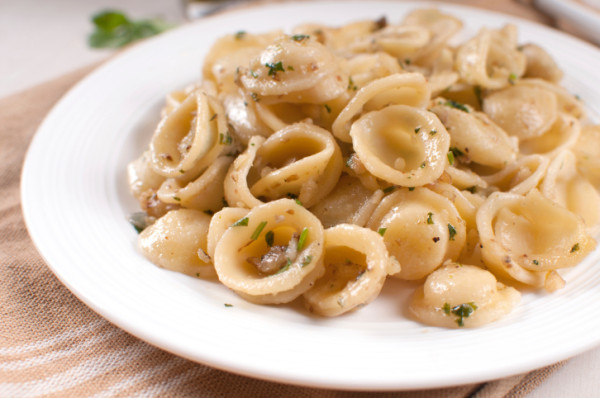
(302, 238)
(472, 189)
(306, 261)
(213, 117)
(258, 230)
(451, 231)
(228, 305)
(113, 29)
(381, 231)
(389, 189)
(512, 78)
(139, 220)
(290, 67)
(450, 158)
(255, 97)
(407, 61)
(430, 218)
(300, 37)
(423, 165)
(209, 212)
(351, 85)
(456, 105)
(433, 132)
(270, 238)
(225, 139)
(240, 34)
(327, 108)
(177, 198)
(285, 267)
(477, 91)
(536, 262)
(456, 152)
(274, 68)
(253, 73)
(446, 308)
(242, 222)
(411, 188)
(417, 129)
(575, 248)
(463, 311)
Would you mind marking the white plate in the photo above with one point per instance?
(582, 18)
(76, 203)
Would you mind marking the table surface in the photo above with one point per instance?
(42, 40)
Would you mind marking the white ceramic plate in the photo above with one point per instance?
(583, 18)
(76, 203)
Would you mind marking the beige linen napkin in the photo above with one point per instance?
(53, 345)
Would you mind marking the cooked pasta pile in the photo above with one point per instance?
(316, 164)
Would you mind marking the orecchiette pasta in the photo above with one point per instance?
(311, 166)
(273, 254)
(356, 265)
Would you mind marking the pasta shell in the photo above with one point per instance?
(356, 265)
(174, 241)
(400, 144)
(459, 295)
(401, 88)
(524, 237)
(243, 241)
(189, 138)
(420, 228)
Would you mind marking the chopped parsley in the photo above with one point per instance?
(258, 230)
(351, 85)
(240, 34)
(451, 231)
(455, 153)
(306, 261)
(255, 97)
(477, 91)
(389, 189)
(472, 189)
(456, 105)
(274, 68)
(536, 262)
(460, 311)
(575, 248)
(225, 139)
(411, 188)
(433, 132)
(228, 305)
(430, 218)
(300, 37)
(302, 238)
(242, 222)
(177, 198)
(253, 73)
(423, 165)
(512, 78)
(450, 158)
(381, 231)
(327, 108)
(417, 129)
(270, 238)
(285, 267)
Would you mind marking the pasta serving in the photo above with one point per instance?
(314, 165)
